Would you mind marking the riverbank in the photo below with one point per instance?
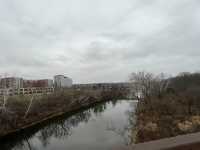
(78, 129)
(168, 106)
(49, 106)
(166, 117)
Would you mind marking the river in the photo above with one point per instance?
(105, 126)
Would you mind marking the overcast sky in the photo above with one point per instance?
(98, 40)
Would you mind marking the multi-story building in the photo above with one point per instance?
(11, 82)
(61, 81)
(38, 83)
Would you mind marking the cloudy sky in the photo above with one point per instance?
(98, 40)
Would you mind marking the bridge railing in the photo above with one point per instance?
(181, 142)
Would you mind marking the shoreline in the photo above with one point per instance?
(52, 116)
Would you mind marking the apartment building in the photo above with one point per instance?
(38, 83)
(11, 82)
(61, 81)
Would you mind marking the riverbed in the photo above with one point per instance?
(105, 126)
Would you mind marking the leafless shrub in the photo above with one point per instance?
(146, 85)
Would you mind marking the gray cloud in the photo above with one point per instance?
(97, 41)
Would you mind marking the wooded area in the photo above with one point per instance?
(169, 106)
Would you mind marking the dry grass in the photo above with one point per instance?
(169, 114)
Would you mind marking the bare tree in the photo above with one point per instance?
(5, 97)
(30, 104)
(6, 116)
(145, 85)
(5, 92)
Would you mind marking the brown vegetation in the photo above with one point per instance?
(16, 116)
(168, 106)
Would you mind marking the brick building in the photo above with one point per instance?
(38, 83)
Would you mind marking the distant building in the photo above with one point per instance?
(11, 82)
(38, 83)
(61, 81)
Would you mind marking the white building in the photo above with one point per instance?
(11, 82)
(61, 81)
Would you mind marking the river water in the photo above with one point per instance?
(103, 127)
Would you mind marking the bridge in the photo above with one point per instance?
(181, 142)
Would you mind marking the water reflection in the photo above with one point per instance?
(104, 126)
(62, 128)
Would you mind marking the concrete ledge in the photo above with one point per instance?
(182, 142)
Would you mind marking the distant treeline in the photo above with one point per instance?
(186, 82)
